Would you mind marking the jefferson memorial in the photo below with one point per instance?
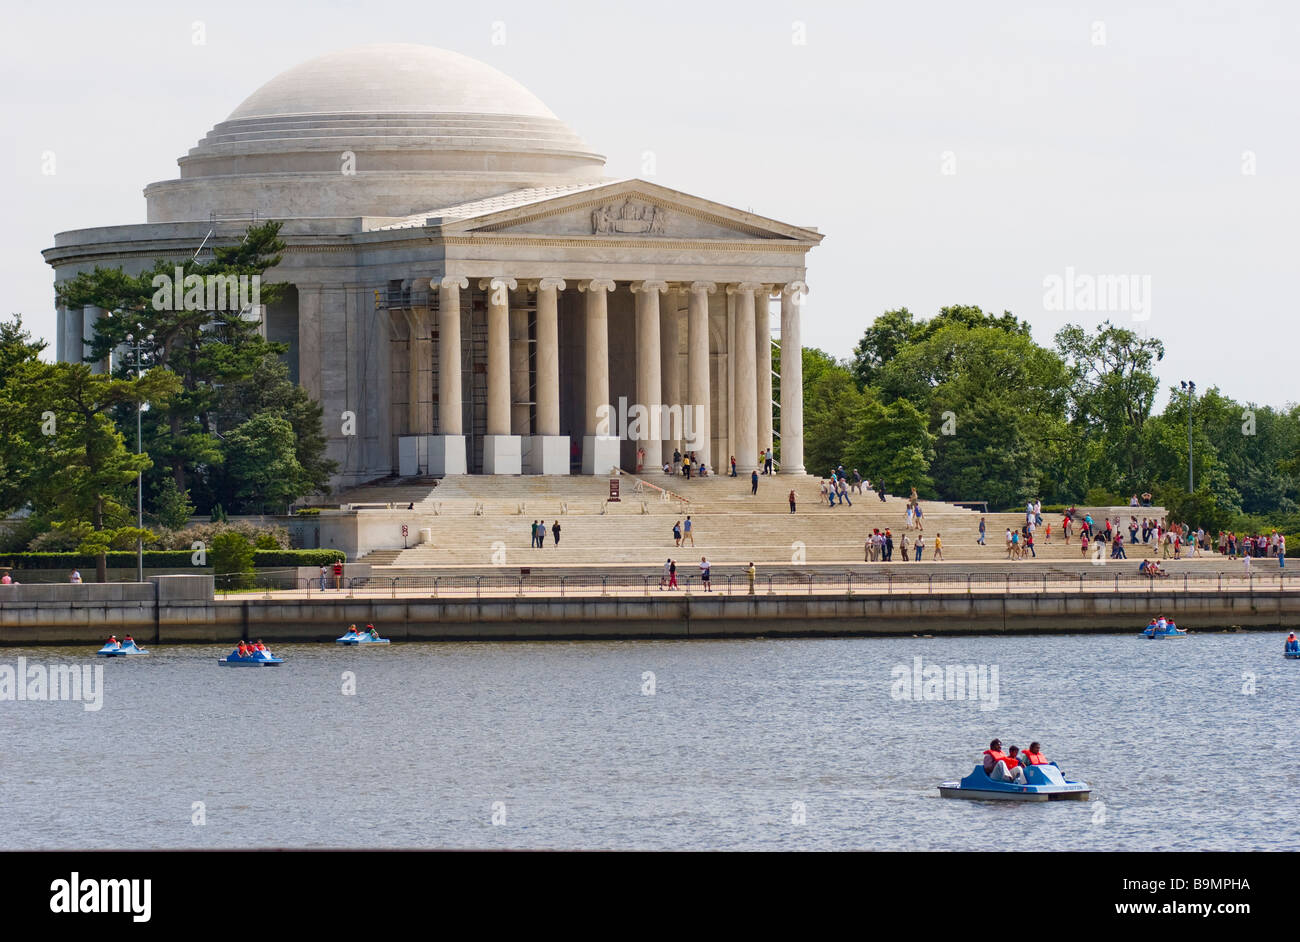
(469, 293)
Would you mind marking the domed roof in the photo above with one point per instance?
(384, 78)
(388, 129)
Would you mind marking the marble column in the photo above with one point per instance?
(547, 451)
(792, 296)
(763, 366)
(670, 360)
(73, 343)
(697, 411)
(746, 384)
(90, 317)
(600, 445)
(502, 451)
(419, 375)
(649, 373)
(446, 450)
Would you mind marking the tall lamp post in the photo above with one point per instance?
(1189, 388)
(134, 342)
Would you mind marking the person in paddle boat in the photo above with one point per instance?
(1161, 623)
(1151, 625)
(372, 631)
(1292, 644)
(128, 640)
(1001, 767)
(1033, 755)
(112, 639)
(352, 630)
(243, 652)
(259, 648)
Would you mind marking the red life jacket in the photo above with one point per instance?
(1034, 758)
(999, 756)
(259, 647)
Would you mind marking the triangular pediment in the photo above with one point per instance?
(619, 210)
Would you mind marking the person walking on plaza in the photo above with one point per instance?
(751, 573)
(919, 547)
(324, 574)
(687, 534)
(555, 532)
(338, 575)
(938, 547)
(902, 547)
(753, 482)
(980, 541)
(791, 500)
(672, 573)
(767, 461)
(889, 546)
(677, 533)
(704, 574)
(663, 579)
(733, 466)
(844, 492)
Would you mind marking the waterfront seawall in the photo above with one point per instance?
(166, 612)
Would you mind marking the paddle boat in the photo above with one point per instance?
(115, 648)
(354, 637)
(255, 659)
(1163, 629)
(1042, 783)
(1292, 647)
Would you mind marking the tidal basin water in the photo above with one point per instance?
(755, 744)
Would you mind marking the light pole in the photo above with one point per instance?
(139, 475)
(1190, 388)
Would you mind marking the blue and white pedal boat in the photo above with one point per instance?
(1042, 783)
(127, 649)
(1169, 631)
(259, 659)
(353, 639)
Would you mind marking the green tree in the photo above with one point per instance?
(1112, 391)
(20, 414)
(892, 446)
(232, 560)
(84, 470)
(171, 505)
(831, 404)
(261, 458)
(207, 347)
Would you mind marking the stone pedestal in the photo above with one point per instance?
(546, 454)
(600, 454)
(447, 455)
(502, 454)
(412, 455)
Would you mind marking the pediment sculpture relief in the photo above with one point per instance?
(628, 216)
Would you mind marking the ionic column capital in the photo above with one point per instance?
(494, 283)
(795, 288)
(548, 284)
(453, 281)
(649, 286)
(596, 284)
(705, 287)
(745, 287)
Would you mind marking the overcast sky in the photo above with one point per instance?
(950, 152)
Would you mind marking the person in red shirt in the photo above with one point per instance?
(1033, 756)
(1001, 767)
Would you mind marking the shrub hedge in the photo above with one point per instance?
(166, 559)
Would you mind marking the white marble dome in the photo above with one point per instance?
(388, 129)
